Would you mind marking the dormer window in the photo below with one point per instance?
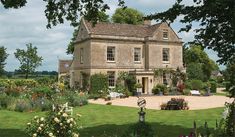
(165, 34)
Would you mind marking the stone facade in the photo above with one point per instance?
(137, 49)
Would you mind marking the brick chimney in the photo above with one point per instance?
(147, 22)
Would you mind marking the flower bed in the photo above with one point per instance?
(175, 104)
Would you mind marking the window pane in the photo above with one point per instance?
(165, 34)
(137, 54)
(111, 53)
(165, 54)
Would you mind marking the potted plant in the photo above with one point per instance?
(138, 87)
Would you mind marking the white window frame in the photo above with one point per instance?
(165, 34)
(110, 57)
(166, 56)
(137, 55)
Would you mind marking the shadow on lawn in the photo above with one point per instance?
(112, 130)
(12, 133)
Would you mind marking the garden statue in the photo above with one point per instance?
(141, 102)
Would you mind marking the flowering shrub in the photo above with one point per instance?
(56, 124)
(175, 104)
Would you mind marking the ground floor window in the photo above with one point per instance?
(111, 78)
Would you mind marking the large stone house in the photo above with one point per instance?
(110, 48)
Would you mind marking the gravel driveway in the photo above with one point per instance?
(154, 102)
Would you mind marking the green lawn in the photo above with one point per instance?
(106, 121)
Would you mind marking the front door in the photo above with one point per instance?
(145, 85)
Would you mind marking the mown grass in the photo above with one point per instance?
(109, 121)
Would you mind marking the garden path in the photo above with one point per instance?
(154, 102)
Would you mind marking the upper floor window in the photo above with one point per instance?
(81, 55)
(165, 34)
(111, 78)
(165, 54)
(137, 54)
(110, 53)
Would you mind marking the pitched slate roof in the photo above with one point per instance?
(117, 29)
(64, 66)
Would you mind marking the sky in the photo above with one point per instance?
(19, 27)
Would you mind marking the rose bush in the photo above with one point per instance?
(55, 124)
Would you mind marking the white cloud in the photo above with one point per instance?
(28, 25)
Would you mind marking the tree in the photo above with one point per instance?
(229, 75)
(216, 24)
(3, 57)
(195, 54)
(59, 10)
(102, 18)
(29, 60)
(127, 15)
(194, 71)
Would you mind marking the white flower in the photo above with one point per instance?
(56, 120)
(41, 125)
(42, 119)
(71, 119)
(68, 121)
(225, 113)
(65, 115)
(50, 134)
(71, 125)
(28, 124)
(75, 135)
(34, 135)
(35, 117)
(61, 124)
(39, 128)
(79, 115)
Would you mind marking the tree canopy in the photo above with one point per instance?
(216, 20)
(29, 60)
(128, 15)
(3, 57)
(195, 58)
(57, 11)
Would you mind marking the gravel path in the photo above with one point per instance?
(154, 102)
